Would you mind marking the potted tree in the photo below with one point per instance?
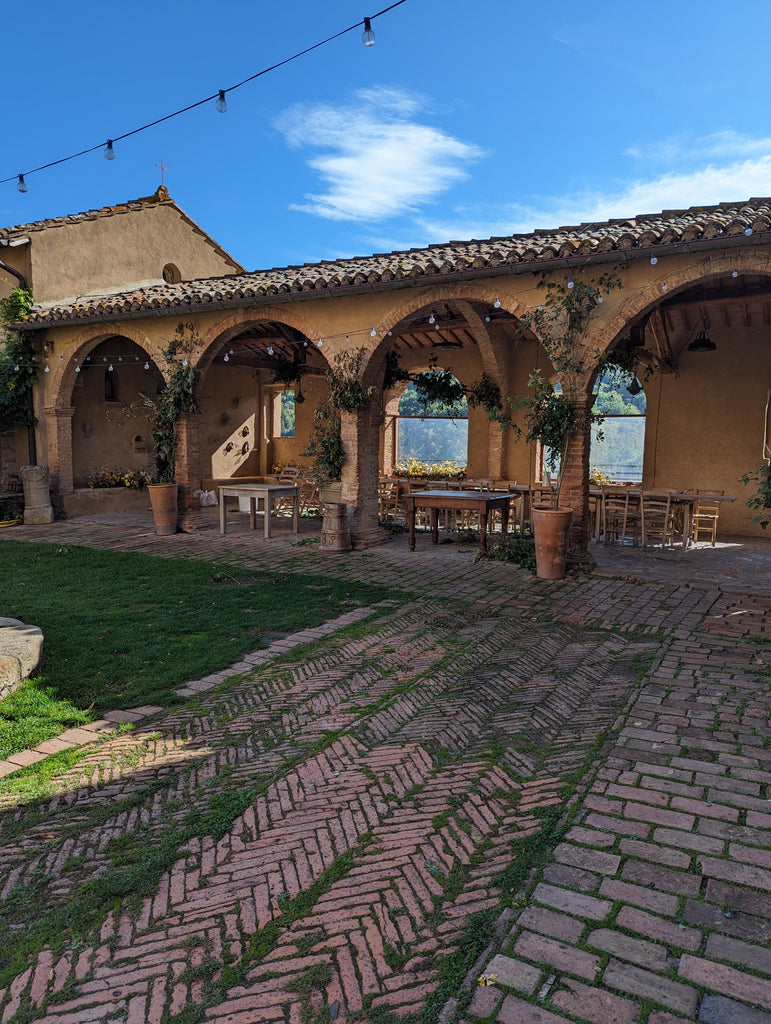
(561, 322)
(176, 398)
(549, 420)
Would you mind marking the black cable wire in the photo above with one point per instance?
(200, 103)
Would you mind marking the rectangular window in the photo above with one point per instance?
(283, 414)
(619, 455)
(432, 440)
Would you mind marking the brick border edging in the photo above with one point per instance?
(84, 734)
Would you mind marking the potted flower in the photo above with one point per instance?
(176, 398)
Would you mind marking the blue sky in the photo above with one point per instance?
(464, 120)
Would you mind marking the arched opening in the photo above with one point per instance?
(262, 385)
(110, 437)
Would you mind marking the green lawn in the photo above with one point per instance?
(124, 629)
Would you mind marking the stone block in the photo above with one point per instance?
(20, 648)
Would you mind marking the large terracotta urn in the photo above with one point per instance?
(551, 527)
(163, 499)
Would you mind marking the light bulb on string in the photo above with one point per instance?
(306, 343)
(748, 231)
(497, 303)
(664, 286)
(368, 36)
(571, 284)
(654, 260)
(600, 299)
(48, 368)
(487, 318)
(22, 185)
(109, 151)
(270, 350)
(373, 333)
(77, 369)
(320, 343)
(226, 358)
(147, 366)
(221, 105)
(110, 368)
(432, 319)
(734, 273)
(185, 362)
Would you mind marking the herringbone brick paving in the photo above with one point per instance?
(342, 814)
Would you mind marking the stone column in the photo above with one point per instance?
(60, 446)
(360, 432)
(38, 509)
(188, 474)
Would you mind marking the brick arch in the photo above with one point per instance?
(82, 345)
(462, 294)
(644, 299)
(224, 330)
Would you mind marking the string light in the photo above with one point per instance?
(571, 284)
(373, 333)
(748, 231)
(368, 39)
(109, 152)
(734, 273)
(110, 367)
(654, 260)
(320, 343)
(497, 303)
(221, 105)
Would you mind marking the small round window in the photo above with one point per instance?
(171, 274)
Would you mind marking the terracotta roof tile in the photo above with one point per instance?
(539, 247)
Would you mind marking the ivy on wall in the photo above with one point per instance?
(18, 374)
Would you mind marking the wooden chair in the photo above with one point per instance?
(290, 476)
(658, 518)
(704, 518)
(620, 515)
(388, 498)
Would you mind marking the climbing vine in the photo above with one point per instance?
(177, 399)
(18, 374)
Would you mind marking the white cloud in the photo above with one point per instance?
(706, 186)
(726, 144)
(379, 161)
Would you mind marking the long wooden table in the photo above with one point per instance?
(260, 492)
(482, 502)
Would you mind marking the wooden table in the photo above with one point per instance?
(482, 502)
(255, 492)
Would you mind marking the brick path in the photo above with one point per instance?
(331, 821)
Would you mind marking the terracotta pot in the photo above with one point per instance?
(551, 527)
(163, 498)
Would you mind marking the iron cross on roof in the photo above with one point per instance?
(163, 169)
